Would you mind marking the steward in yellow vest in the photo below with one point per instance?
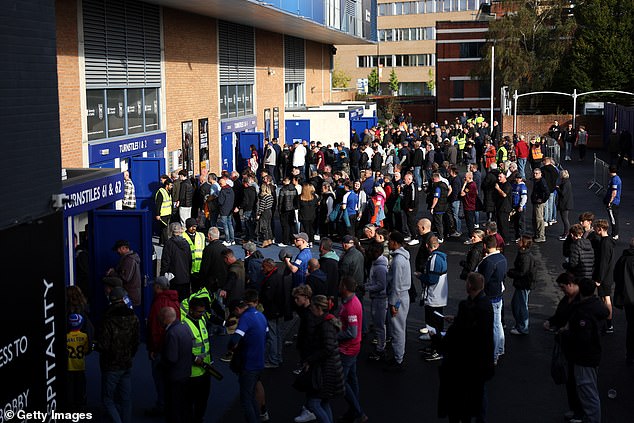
(163, 207)
(196, 241)
(200, 381)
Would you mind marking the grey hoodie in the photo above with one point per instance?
(377, 280)
(399, 277)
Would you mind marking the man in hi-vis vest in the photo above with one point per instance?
(196, 241)
(163, 207)
(200, 380)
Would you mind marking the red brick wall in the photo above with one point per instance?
(269, 53)
(68, 78)
(191, 80)
(317, 73)
(539, 124)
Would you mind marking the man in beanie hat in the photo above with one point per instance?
(78, 347)
(117, 343)
(196, 241)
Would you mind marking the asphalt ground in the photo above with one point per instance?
(521, 390)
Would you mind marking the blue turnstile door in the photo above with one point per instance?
(108, 226)
(297, 130)
(145, 172)
(226, 150)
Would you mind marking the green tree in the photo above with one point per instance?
(431, 84)
(530, 43)
(373, 81)
(340, 79)
(393, 81)
(602, 53)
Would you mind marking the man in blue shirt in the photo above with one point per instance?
(248, 345)
(612, 200)
(299, 265)
(519, 197)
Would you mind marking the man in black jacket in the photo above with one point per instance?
(185, 197)
(539, 197)
(273, 299)
(503, 206)
(117, 343)
(247, 206)
(212, 266)
(226, 199)
(409, 208)
(581, 344)
(467, 356)
(288, 202)
(550, 174)
(624, 296)
(177, 260)
(604, 268)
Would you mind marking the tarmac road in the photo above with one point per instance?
(521, 390)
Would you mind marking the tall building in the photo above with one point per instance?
(184, 80)
(406, 43)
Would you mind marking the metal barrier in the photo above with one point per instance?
(600, 175)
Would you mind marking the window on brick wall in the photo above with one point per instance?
(122, 61)
(458, 89)
(118, 112)
(237, 69)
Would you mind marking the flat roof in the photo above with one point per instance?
(260, 14)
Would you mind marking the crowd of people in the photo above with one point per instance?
(388, 204)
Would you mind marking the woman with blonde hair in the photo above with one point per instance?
(308, 203)
(264, 214)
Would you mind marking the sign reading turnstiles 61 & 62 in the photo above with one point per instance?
(93, 194)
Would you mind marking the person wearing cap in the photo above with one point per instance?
(299, 265)
(78, 347)
(163, 297)
(196, 241)
(399, 281)
(111, 282)
(117, 343)
(177, 260)
(163, 207)
(248, 346)
(128, 270)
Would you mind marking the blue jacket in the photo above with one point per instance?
(493, 268)
(435, 267)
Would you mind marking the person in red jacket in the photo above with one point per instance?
(163, 297)
(521, 152)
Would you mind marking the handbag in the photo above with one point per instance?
(558, 364)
